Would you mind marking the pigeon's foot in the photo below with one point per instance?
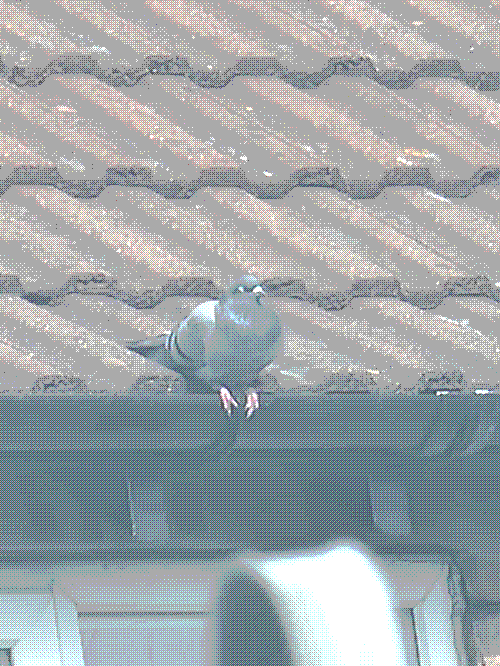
(227, 400)
(252, 402)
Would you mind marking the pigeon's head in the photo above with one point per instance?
(243, 318)
(248, 285)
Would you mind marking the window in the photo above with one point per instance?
(143, 613)
(486, 630)
(39, 629)
(145, 639)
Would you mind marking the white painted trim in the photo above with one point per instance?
(142, 587)
(70, 644)
(434, 627)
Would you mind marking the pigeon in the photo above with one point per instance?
(222, 345)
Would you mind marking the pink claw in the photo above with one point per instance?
(227, 400)
(252, 403)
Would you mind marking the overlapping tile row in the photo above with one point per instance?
(182, 189)
(117, 75)
(139, 238)
(99, 284)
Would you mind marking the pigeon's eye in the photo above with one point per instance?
(241, 289)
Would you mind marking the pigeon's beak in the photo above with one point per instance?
(258, 291)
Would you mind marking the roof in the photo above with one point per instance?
(269, 129)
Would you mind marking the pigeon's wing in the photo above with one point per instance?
(190, 338)
(153, 348)
(183, 348)
(190, 342)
